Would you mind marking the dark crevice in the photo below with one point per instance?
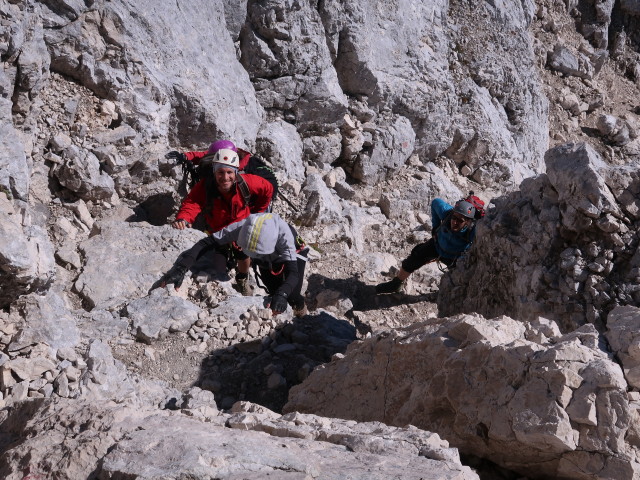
(243, 372)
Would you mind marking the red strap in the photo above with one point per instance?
(244, 158)
(278, 273)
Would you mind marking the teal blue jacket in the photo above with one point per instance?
(449, 244)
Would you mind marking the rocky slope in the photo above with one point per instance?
(518, 394)
(368, 111)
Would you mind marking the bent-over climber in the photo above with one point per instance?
(278, 254)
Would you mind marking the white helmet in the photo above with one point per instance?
(226, 157)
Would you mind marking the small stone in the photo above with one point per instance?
(276, 380)
(67, 353)
(20, 391)
(150, 353)
(61, 385)
(47, 390)
(72, 373)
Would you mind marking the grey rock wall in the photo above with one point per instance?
(563, 247)
(542, 403)
(368, 110)
(135, 257)
(201, 442)
(174, 73)
(171, 70)
(98, 89)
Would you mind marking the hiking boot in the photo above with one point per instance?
(392, 286)
(300, 311)
(242, 285)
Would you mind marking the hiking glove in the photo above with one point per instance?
(175, 276)
(278, 303)
(179, 157)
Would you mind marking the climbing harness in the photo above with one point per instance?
(300, 245)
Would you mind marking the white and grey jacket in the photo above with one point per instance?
(265, 237)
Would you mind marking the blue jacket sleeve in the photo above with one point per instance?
(439, 209)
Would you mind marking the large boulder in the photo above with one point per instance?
(27, 263)
(81, 173)
(152, 317)
(251, 442)
(46, 319)
(517, 394)
(563, 246)
(124, 260)
(391, 145)
(280, 144)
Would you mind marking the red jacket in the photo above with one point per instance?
(195, 157)
(226, 209)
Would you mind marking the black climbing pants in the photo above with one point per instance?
(422, 254)
(274, 277)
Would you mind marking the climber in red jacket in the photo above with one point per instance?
(219, 197)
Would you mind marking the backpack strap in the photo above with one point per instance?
(259, 280)
(244, 190)
(300, 244)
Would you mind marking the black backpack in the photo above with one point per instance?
(257, 166)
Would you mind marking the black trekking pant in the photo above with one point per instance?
(228, 251)
(422, 254)
(273, 278)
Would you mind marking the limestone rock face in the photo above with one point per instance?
(367, 110)
(393, 144)
(500, 389)
(26, 254)
(289, 64)
(622, 335)
(137, 255)
(14, 171)
(200, 443)
(280, 143)
(407, 70)
(142, 58)
(566, 237)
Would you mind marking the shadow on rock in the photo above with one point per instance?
(209, 263)
(14, 420)
(363, 297)
(156, 210)
(263, 371)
